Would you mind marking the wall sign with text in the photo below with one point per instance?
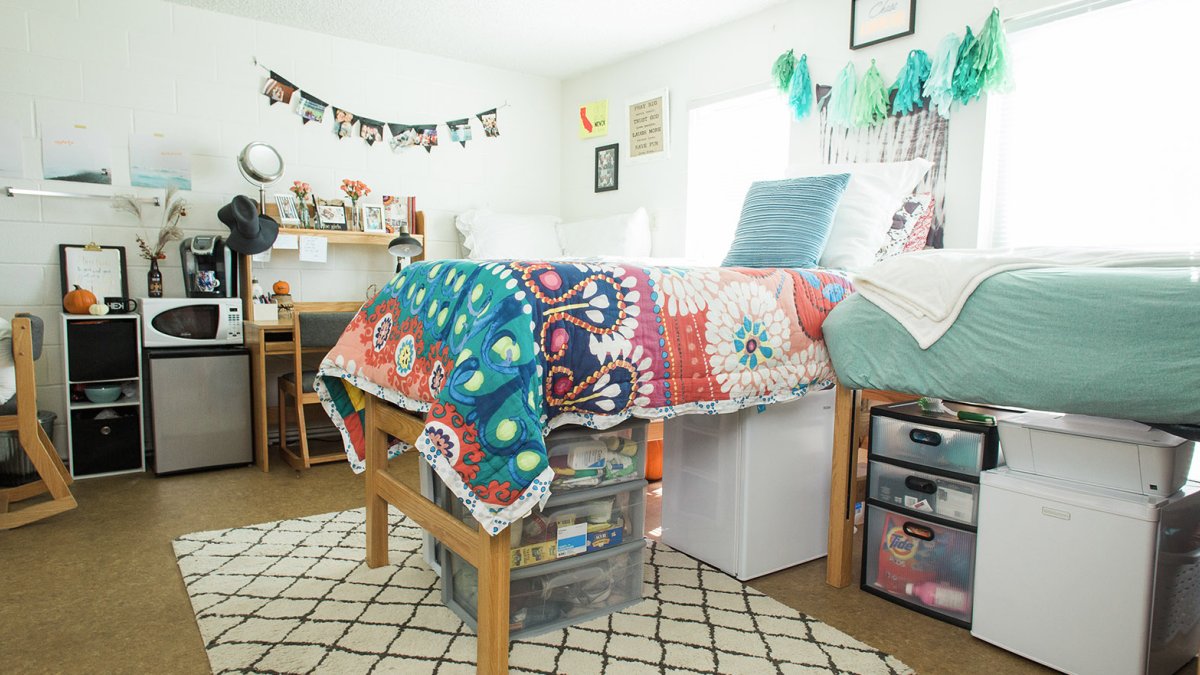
(649, 126)
(593, 119)
(875, 21)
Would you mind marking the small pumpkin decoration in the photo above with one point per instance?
(98, 309)
(79, 301)
(281, 288)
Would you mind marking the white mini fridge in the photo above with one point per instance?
(748, 492)
(1087, 579)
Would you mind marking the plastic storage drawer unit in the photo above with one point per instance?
(601, 517)
(558, 594)
(585, 458)
(903, 434)
(919, 564)
(923, 492)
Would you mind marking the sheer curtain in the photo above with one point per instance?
(731, 143)
(1099, 144)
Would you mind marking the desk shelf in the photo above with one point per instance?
(346, 237)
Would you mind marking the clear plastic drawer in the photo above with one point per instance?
(924, 492)
(919, 564)
(939, 442)
(575, 524)
(551, 596)
(585, 458)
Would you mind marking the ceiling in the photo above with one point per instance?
(554, 38)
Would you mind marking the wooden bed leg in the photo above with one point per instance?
(377, 506)
(493, 612)
(841, 495)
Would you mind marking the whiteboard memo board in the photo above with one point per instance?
(99, 269)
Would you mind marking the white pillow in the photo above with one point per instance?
(624, 236)
(8, 371)
(864, 214)
(504, 236)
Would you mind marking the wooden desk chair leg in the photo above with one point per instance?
(841, 507)
(304, 457)
(493, 609)
(377, 506)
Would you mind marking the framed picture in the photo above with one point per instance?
(875, 21)
(649, 126)
(331, 213)
(289, 213)
(606, 167)
(373, 218)
(99, 269)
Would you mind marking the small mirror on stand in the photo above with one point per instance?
(261, 165)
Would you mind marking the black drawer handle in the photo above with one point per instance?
(925, 437)
(105, 430)
(920, 484)
(919, 531)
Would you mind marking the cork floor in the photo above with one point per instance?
(97, 589)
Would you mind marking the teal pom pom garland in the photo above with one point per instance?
(966, 78)
(939, 88)
(781, 72)
(992, 62)
(871, 99)
(909, 83)
(800, 91)
(841, 99)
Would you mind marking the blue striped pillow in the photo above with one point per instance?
(785, 223)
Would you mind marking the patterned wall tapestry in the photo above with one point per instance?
(922, 133)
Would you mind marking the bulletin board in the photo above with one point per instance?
(99, 269)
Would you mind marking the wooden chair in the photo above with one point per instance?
(55, 479)
(312, 330)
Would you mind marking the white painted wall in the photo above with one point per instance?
(737, 57)
(148, 66)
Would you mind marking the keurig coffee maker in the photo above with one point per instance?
(209, 267)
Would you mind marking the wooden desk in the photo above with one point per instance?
(274, 338)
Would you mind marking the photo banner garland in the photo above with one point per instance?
(961, 71)
(309, 108)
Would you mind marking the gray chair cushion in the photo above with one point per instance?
(323, 329)
(37, 330)
(306, 381)
(9, 407)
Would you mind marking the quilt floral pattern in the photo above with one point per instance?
(498, 353)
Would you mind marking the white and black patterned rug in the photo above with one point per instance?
(296, 596)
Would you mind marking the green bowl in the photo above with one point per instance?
(102, 393)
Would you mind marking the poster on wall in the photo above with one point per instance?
(649, 135)
(156, 161)
(593, 119)
(75, 153)
(11, 165)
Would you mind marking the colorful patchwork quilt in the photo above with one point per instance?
(498, 353)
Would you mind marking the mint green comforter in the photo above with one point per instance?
(1121, 342)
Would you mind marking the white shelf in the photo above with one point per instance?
(88, 405)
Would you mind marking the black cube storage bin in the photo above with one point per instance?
(106, 444)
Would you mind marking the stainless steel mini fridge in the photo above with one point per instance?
(199, 407)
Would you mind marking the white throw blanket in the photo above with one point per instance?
(926, 290)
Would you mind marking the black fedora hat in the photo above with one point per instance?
(249, 231)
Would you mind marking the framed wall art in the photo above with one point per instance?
(607, 157)
(99, 269)
(649, 126)
(875, 21)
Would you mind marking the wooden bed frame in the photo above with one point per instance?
(490, 554)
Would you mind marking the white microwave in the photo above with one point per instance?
(190, 322)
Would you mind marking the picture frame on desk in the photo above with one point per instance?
(372, 218)
(331, 214)
(289, 213)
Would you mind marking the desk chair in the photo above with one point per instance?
(22, 418)
(312, 330)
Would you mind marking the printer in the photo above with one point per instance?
(1111, 453)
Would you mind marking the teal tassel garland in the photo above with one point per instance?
(800, 91)
(992, 62)
(871, 99)
(939, 88)
(781, 72)
(909, 83)
(841, 99)
(967, 83)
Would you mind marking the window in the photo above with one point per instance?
(1098, 143)
(731, 143)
